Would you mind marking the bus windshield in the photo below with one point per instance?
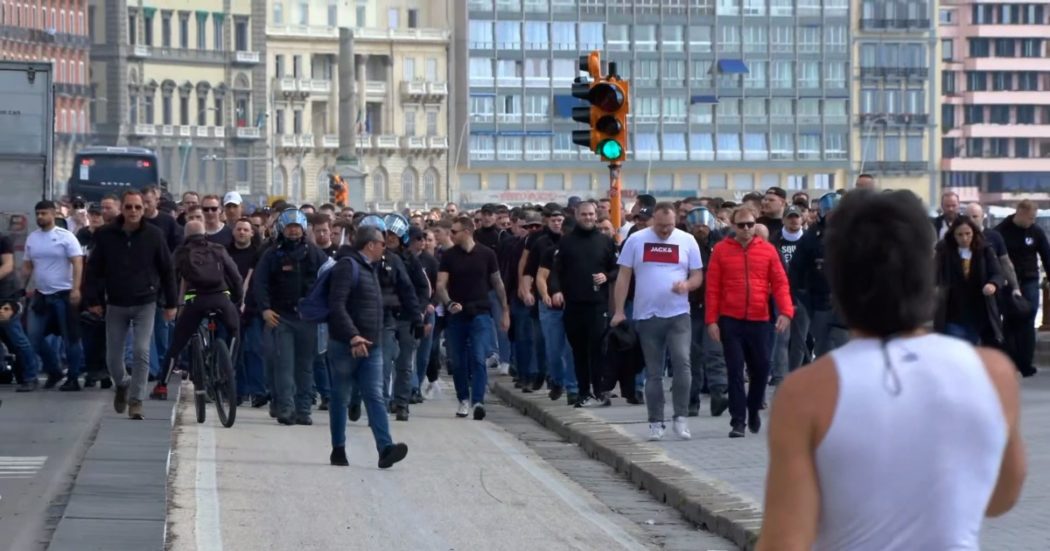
(95, 176)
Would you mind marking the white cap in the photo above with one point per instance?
(232, 197)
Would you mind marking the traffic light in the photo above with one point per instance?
(337, 191)
(607, 114)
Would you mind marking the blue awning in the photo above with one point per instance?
(514, 133)
(732, 67)
(563, 105)
(539, 133)
(693, 100)
(483, 94)
(483, 132)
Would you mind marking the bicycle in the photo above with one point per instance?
(211, 368)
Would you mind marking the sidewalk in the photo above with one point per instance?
(719, 483)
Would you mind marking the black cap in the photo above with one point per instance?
(646, 200)
(574, 200)
(502, 209)
(488, 208)
(644, 213)
(532, 218)
(778, 191)
(94, 209)
(792, 211)
(415, 234)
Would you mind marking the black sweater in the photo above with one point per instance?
(1025, 246)
(806, 270)
(130, 269)
(355, 308)
(169, 227)
(581, 254)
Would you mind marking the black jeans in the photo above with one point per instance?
(585, 324)
(1020, 332)
(190, 318)
(745, 341)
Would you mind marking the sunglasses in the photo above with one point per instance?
(210, 209)
(454, 232)
(745, 225)
(132, 207)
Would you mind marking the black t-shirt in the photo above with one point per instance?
(773, 224)
(85, 236)
(9, 285)
(537, 247)
(245, 258)
(490, 237)
(468, 276)
(430, 267)
(223, 237)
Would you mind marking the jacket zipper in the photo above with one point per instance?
(747, 285)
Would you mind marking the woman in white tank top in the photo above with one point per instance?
(900, 439)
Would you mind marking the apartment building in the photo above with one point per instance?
(400, 53)
(995, 115)
(181, 77)
(55, 31)
(896, 94)
(728, 96)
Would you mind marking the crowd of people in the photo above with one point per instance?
(724, 298)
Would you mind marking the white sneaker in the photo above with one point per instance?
(656, 431)
(504, 368)
(681, 428)
(464, 409)
(428, 390)
(492, 361)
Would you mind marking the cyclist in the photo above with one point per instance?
(210, 283)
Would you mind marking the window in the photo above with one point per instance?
(781, 7)
(755, 39)
(563, 35)
(915, 101)
(728, 111)
(432, 123)
(645, 38)
(729, 147)
(999, 114)
(361, 13)
(333, 13)
(536, 37)
(755, 148)
(835, 74)
(509, 72)
(808, 40)
(379, 187)
(913, 148)
(701, 147)
(754, 7)
(947, 49)
(147, 29)
(671, 41)
(408, 67)
(947, 17)
(646, 109)
(1025, 114)
(482, 108)
(973, 114)
(220, 36)
(618, 38)
(835, 147)
(674, 111)
(976, 81)
(701, 72)
(508, 108)
(1005, 47)
(537, 108)
(808, 147)
(835, 38)
(408, 184)
(979, 47)
(782, 74)
(782, 39)
(729, 39)
(1002, 80)
(809, 74)
(410, 121)
(674, 72)
(165, 109)
(413, 18)
(646, 147)
(218, 112)
(297, 122)
(480, 34)
(699, 38)
(184, 110)
(592, 36)
(1031, 47)
(147, 107)
(482, 147)
(509, 35)
(537, 72)
(297, 66)
(1028, 81)
(509, 148)
(756, 75)
(132, 27)
(727, 7)
(184, 30)
(648, 72)
(948, 82)
(392, 16)
(202, 110)
(165, 29)
(202, 31)
(782, 146)
(673, 148)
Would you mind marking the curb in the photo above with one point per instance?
(716, 510)
(119, 500)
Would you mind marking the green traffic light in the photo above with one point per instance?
(610, 149)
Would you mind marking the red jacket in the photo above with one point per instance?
(740, 281)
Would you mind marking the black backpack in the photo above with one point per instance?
(203, 266)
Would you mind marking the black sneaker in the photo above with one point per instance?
(604, 400)
(1029, 371)
(479, 412)
(324, 404)
(639, 396)
(526, 389)
(518, 383)
(120, 399)
(90, 382)
(754, 422)
(694, 409)
(354, 412)
(392, 454)
(537, 384)
(71, 385)
(260, 401)
(402, 414)
(52, 381)
(338, 457)
(106, 383)
(416, 398)
(555, 393)
(28, 386)
(737, 432)
(572, 398)
(303, 420)
(288, 421)
(719, 403)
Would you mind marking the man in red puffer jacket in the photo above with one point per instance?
(743, 273)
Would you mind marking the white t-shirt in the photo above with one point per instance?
(51, 252)
(657, 265)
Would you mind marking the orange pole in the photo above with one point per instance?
(614, 195)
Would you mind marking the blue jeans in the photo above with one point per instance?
(560, 365)
(962, 331)
(524, 344)
(322, 382)
(158, 348)
(53, 309)
(469, 343)
(423, 352)
(293, 346)
(363, 375)
(20, 345)
(250, 370)
(502, 342)
(539, 371)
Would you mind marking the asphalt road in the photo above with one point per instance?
(464, 485)
(43, 438)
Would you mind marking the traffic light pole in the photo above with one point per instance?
(615, 208)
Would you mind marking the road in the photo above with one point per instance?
(43, 437)
(504, 483)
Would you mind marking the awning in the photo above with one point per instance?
(732, 67)
(513, 133)
(563, 105)
(693, 100)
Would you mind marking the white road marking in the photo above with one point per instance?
(208, 524)
(12, 466)
(577, 503)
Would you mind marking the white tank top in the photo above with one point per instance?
(912, 470)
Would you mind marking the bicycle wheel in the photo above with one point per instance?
(223, 384)
(197, 374)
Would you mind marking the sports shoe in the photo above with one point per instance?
(681, 428)
(303, 420)
(464, 408)
(120, 399)
(135, 410)
(571, 398)
(555, 393)
(492, 362)
(105, 383)
(754, 422)
(52, 381)
(479, 411)
(392, 454)
(260, 400)
(694, 409)
(338, 457)
(430, 390)
(504, 368)
(324, 404)
(402, 414)
(71, 385)
(719, 403)
(160, 392)
(737, 432)
(353, 413)
(28, 386)
(656, 431)
(585, 402)
(603, 400)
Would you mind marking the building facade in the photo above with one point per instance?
(180, 78)
(727, 96)
(896, 94)
(55, 31)
(399, 97)
(996, 108)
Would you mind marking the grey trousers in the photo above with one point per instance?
(660, 337)
(120, 320)
(293, 347)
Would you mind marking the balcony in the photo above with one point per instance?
(246, 58)
(1006, 98)
(1011, 130)
(306, 141)
(314, 32)
(386, 142)
(201, 131)
(248, 133)
(895, 25)
(893, 72)
(185, 131)
(219, 131)
(140, 51)
(288, 85)
(437, 90)
(437, 143)
(318, 86)
(413, 143)
(1038, 64)
(364, 143)
(1009, 31)
(896, 167)
(66, 89)
(413, 89)
(167, 130)
(976, 164)
(330, 141)
(896, 119)
(287, 141)
(434, 36)
(187, 55)
(375, 89)
(144, 130)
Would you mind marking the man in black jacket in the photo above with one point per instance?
(355, 331)
(584, 263)
(405, 287)
(285, 274)
(806, 274)
(1027, 244)
(129, 269)
(707, 361)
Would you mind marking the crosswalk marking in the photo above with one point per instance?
(20, 466)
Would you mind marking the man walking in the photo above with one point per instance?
(667, 263)
(129, 269)
(1026, 244)
(706, 360)
(789, 348)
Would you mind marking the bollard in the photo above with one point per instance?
(1046, 305)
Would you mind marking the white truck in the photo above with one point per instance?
(27, 123)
